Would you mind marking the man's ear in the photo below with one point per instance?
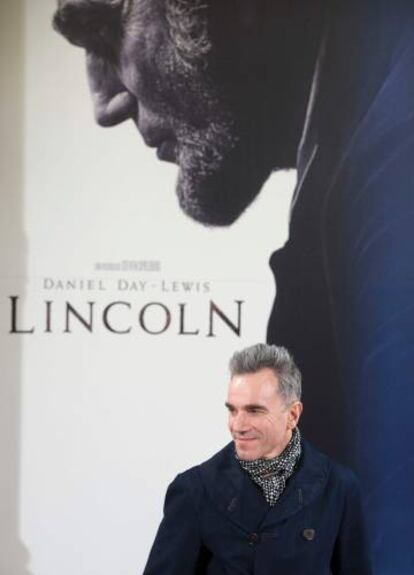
(92, 24)
(295, 411)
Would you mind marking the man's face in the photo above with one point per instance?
(260, 421)
(151, 60)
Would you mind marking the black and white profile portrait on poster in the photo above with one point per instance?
(118, 314)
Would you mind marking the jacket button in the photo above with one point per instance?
(253, 538)
(309, 534)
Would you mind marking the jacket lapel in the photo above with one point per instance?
(234, 493)
(306, 484)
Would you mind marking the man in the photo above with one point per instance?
(233, 89)
(268, 502)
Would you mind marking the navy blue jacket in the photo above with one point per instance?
(216, 521)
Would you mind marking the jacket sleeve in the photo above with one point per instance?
(177, 549)
(351, 553)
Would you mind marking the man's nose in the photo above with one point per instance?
(240, 422)
(112, 102)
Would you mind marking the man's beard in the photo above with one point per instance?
(220, 173)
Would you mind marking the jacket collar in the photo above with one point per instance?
(241, 501)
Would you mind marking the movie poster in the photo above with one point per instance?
(119, 312)
(118, 317)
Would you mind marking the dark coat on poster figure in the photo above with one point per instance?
(345, 278)
(217, 521)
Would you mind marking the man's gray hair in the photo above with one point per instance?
(187, 20)
(256, 357)
(97, 25)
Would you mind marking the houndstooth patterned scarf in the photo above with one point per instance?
(271, 475)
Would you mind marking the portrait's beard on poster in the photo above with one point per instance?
(222, 162)
(213, 184)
